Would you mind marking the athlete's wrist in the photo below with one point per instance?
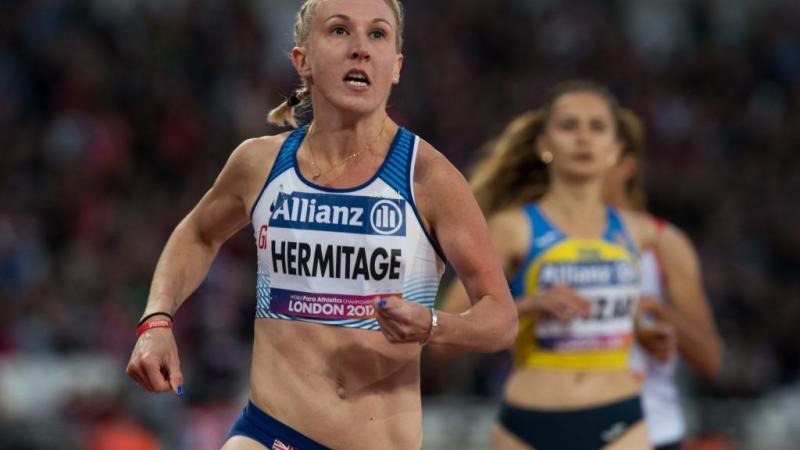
(157, 319)
(151, 324)
(434, 325)
(157, 315)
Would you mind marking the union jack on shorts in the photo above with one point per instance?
(278, 445)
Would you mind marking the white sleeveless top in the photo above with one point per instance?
(325, 254)
(660, 399)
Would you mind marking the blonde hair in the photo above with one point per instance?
(286, 113)
(512, 173)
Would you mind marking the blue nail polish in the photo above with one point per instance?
(381, 303)
(180, 391)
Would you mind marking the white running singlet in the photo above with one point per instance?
(325, 254)
(660, 399)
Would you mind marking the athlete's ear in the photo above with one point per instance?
(614, 157)
(398, 66)
(301, 61)
(541, 146)
(628, 166)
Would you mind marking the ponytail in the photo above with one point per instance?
(512, 173)
(286, 113)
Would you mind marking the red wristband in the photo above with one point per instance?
(153, 324)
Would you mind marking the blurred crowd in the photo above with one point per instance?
(116, 115)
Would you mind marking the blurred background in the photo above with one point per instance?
(116, 115)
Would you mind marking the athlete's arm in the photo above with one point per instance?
(510, 236)
(698, 340)
(446, 203)
(185, 260)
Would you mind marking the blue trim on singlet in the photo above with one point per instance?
(310, 183)
(617, 228)
(397, 166)
(544, 235)
(286, 157)
(283, 161)
(396, 172)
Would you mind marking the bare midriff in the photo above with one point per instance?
(342, 387)
(558, 389)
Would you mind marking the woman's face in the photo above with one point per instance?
(351, 55)
(581, 135)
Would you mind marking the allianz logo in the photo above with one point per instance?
(297, 209)
(386, 217)
(334, 211)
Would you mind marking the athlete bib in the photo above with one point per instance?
(603, 271)
(325, 254)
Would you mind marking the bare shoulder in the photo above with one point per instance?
(671, 234)
(510, 220)
(512, 234)
(642, 227)
(439, 185)
(435, 176)
(442, 195)
(676, 246)
(432, 165)
(256, 153)
(249, 165)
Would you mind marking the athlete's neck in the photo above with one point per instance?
(575, 201)
(338, 136)
(617, 196)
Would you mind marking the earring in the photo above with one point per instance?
(546, 157)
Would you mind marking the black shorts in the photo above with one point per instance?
(270, 432)
(581, 429)
(673, 446)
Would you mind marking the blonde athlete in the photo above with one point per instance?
(571, 261)
(353, 218)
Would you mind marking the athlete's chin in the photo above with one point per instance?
(357, 104)
(583, 174)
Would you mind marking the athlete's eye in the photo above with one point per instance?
(598, 125)
(567, 124)
(338, 30)
(377, 34)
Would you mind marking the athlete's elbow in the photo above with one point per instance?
(710, 369)
(714, 365)
(189, 233)
(711, 365)
(506, 330)
(510, 335)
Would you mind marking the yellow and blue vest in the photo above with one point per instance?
(603, 271)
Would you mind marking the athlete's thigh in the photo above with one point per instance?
(503, 439)
(635, 438)
(242, 443)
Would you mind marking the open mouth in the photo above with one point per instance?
(357, 78)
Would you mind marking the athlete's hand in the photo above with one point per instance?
(154, 363)
(402, 321)
(653, 332)
(558, 301)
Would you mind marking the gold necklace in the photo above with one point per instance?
(319, 172)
